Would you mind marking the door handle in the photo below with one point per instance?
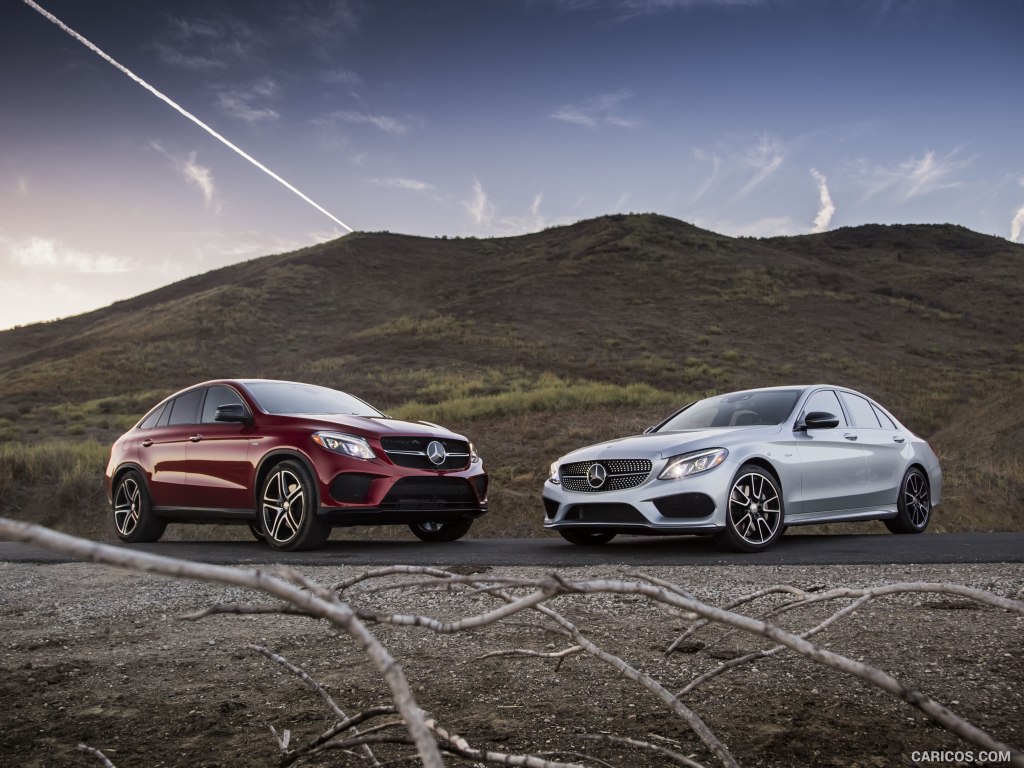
(195, 438)
(898, 439)
(848, 436)
(146, 443)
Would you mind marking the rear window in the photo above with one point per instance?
(185, 408)
(152, 418)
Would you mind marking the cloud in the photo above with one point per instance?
(383, 123)
(205, 44)
(342, 77)
(765, 158)
(23, 190)
(200, 176)
(321, 25)
(596, 112)
(399, 183)
(916, 176)
(1017, 225)
(716, 164)
(40, 253)
(826, 208)
(242, 103)
(191, 171)
(479, 207)
(626, 9)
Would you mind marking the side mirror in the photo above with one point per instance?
(820, 420)
(232, 412)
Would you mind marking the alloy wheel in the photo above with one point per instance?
(915, 500)
(284, 504)
(755, 508)
(127, 505)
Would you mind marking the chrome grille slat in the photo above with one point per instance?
(622, 474)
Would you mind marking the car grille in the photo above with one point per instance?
(430, 493)
(621, 514)
(621, 474)
(412, 452)
(351, 487)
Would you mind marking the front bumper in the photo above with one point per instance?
(403, 497)
(695, 504)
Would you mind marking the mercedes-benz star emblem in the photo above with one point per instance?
(436, 453)
(596, 475)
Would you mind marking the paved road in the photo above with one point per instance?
(791, 549)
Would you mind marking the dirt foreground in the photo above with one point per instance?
(95, 655)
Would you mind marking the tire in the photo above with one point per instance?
(755, 511)
(583, 537)
(132, 510)
(257, 532)
(431, 531)
(287, 509)
(913, 505)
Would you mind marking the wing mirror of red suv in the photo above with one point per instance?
(233, 412)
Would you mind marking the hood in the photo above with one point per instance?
(377, 425)
(661, 445)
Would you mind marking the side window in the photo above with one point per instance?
(185, 409)
(861, 412)
(884, 420)
(217, 396)
(154, 416)
(825, 400)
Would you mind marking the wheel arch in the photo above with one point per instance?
(124, 469)
(271, 460)
(763, 463)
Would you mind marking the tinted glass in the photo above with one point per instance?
(884, 420)
(185, 408)
(217, 396)
(150, 421)
(825, 400)
(861, 412)
(735, 410)
(284, 397)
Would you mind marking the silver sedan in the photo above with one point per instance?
(744, 466)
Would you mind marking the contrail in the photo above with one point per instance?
(182, 110)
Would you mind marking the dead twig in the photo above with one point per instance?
(338, 613)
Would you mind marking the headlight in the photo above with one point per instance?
(346, 445)
(474, 457)
(692, 463)
(553, 472)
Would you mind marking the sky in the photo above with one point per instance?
(483, 118)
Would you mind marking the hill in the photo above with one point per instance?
(538, 343)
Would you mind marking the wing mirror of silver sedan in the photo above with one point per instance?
(818, 420)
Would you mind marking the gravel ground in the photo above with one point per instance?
(95, 655)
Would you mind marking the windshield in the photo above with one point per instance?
(286, 397)
(739, 409)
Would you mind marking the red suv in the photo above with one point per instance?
(292, 461)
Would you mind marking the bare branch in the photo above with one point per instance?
(303, 676)
(246, 609)
(670, 754)
(339, 614)
(866, 672)
(458, 745)
(739, 661)
(93, 752)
